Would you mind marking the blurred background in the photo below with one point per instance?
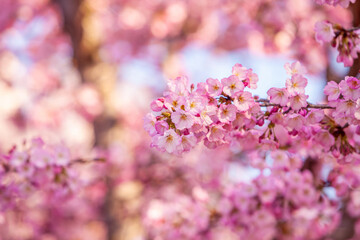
(85, 71)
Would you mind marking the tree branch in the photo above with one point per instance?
(266, 103)
(355, 10)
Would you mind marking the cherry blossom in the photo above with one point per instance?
(324, 32)
(342, 3)
(345, 40)
(278, 96)
(288, 119)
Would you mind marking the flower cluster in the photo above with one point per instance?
(346, 41)
(38, 167)
(286, 204)
(209, 113)
(180, 218)
(342, 3)
(222, 112)
(345, 98)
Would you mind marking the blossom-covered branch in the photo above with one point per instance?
(37, 167)
(346, 41)
(266, 103)
(342, 3)
(223, 112)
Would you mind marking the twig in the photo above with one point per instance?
(267, 103)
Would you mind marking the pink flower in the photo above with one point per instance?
(353, 207)
(169, 141)
(346, 108)
(281, 134)
(149, 124)
(295, 162)
(295, 121)
(213, 87)
(298, 101)
(195, 104)
(27, 170)
(350, 88)
(187, 142)
(324, 31)
(307, 194)
(232, 85)
(248, 190)
(227, 113)
(18, 159)
(295, 68)
(321, 2)
(41, 157)
(37, 142)
(243, 101)
(267, 195)
(240, 71)
(296, 84)
(172, 101)
(157, 105)
(216, 133)
(251, 79)
(211, 145)
(263, 218)
(241, 201)
(278, 96)
(357, 111)
(280, 160)
(182, 119)
(224, 206)
(207, 113)
(161, 127)
(325, 139)
(315, 116)
(201, 89)
(62, 155)
(352, 82)
(332, 90)
(277, 118)
(345, 3)
(179, 86)
(345, 58)
(353, 158)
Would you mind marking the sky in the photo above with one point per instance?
(201, 64)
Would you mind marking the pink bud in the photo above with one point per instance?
(246, 82)
(185, 131)
(352, 82)
(157, 105)
(161, 127)
(57, 169)
(358, 130)
(274, 110)
(303, 112)
(293, 132)
(335, 153)
(260, 122)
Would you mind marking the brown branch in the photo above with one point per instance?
(352, 29)
(319, 106)
(77, 16)
(83, 161)
(72, 25)
(355, 10)
(346, 228)
(266, 103)
(331, 75)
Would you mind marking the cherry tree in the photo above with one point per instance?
(220, 162)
